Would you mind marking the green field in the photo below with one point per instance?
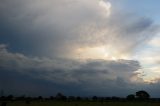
(53, 103)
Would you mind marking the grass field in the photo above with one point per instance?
(51, 103)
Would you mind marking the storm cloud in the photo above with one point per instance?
(57, 28)
(67, 70)
(85, 43)
(86, 74)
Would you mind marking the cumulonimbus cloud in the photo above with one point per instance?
(58, 70)
(60, 27)
(37, 31)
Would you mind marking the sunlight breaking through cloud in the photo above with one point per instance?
(80, 42)
(106, 6)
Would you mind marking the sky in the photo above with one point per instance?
(79, 47)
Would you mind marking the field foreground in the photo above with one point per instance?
(79, 103)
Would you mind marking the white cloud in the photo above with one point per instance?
(155, 42)
(149, 59)
(61, 27)
(106, 6)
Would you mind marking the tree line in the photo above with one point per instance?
(138, 96)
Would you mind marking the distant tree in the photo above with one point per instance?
(60, 96)
(108, 98)
(51, 98)
(115, 98)
(130, 97)
(23, 97)
(78, 98)
(94, 98)
(86, 99)
(142, 95)
(10, 97)
(40, 98)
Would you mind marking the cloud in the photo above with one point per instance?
(155, 41)
(150, 61)
(106, 6)
(67, 71)
(90, 76)
(51, 22)
(117, 37)
(58, 28)
(86, 42)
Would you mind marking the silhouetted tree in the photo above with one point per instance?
(21, 97)
(10, 97)
(86, 98)
(115, 98)
(108, 98)
(130, 97)
(78, 98)
(51, 98)
(60, 96)
(40, 98)
(94, 98)
(142, 95)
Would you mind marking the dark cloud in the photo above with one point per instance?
(41, 76)
(42, 35)
(61, 68)
(140, 25)
(86, 75)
